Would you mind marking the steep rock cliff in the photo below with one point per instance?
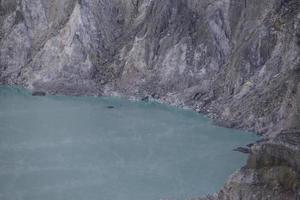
(237, 60)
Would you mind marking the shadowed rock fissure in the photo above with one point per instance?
(236, 60)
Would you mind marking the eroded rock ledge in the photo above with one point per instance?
(236, 60)
(272, 171)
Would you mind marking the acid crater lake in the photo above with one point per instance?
(88, 148)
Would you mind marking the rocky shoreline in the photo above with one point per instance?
(272, 171)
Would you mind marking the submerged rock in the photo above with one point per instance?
(38, 93)
(243, 150)
(146, 99)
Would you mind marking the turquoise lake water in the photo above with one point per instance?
(75, 148)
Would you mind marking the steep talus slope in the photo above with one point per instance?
(236, 60)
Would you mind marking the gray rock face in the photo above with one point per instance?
(272, 171)
(237, 60)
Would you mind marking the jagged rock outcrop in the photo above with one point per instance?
(272, 171)
(237, 60)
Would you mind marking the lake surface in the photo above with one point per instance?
(76, 148)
